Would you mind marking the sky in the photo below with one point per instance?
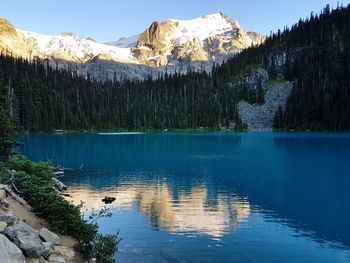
(107, 20)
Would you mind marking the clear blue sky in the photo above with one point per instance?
(106, 20)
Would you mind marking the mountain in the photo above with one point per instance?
(298, 79)
(170, 46)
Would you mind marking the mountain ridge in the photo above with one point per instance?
(169, 46)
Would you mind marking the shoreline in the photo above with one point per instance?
(11, 204)
(106, 132)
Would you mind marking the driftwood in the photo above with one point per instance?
(15, 196)
(59, 185)
(12, 190)
(60, 192)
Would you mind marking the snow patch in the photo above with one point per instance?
(203, 28)
(75, 46)
(123, 42)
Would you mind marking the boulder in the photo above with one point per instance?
(4, 204)
(9, 218)
(65, 252)
(26, 239)
(48, 248)
(2, 194)
(3, 225)
(35, 260)
(49, 236)
(9, 252)
(56, 259)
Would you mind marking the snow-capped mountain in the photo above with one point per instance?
(173, 45)
(125, 42)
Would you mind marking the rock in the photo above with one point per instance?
(35, 260)
(49, 236)
(4, 204)
(48, 248)
(63, 251)
(56, 259)
(3, 225)
(108, 199)
(9, 218)
(26, 239)
(261, 117)
(2, 194)
(9, 252)
(15, 196)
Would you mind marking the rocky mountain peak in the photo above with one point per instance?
(156, 35)
(6, 28)
(67, 34)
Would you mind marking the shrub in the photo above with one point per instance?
(34, 180)
(4, 173)
(105, 247)
(60, 214)
(42, 170)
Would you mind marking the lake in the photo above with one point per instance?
(211, 197)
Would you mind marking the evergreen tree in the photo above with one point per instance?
(6, 143)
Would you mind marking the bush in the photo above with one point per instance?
(105, 247)
(42, 170)
(4, 173)
(60, 214)
(34, 180)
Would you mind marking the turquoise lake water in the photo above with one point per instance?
(212, 197)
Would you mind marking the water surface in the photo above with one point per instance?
(212, 197)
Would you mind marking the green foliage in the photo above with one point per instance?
(320, 99)
(34, 180)
(6, 143)
(244, 70)
(41, 169)
(74, 103)
(105, 247)
(61, 215)
(273, 82)
(4, 173)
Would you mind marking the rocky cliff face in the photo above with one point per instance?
(6, 28)
(207, 38)
(170, 46)
(261, 117)
(12, 41)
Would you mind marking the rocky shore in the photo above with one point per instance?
(24, 237)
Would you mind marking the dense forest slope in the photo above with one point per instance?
(315, 55)
(312, 57)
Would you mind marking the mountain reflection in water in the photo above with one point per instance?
(190, 212)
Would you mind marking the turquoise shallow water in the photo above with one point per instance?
(212, 197)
